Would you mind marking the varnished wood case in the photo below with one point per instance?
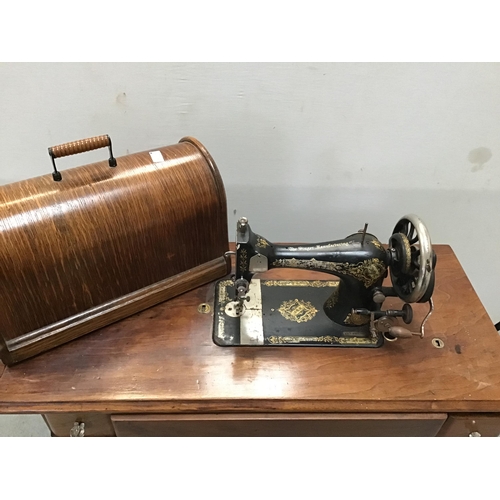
(105, 243)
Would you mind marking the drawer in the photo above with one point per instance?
(477, 424)
(280, 424)
(96, 424)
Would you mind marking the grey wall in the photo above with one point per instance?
(307, 151)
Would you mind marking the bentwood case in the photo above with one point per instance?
(82, 248)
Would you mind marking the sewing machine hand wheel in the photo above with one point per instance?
(413, 260)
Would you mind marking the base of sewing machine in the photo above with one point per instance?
(284, 313)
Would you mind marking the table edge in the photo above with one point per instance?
(254, 406)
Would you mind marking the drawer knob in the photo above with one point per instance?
(475, 434)
(78, 430)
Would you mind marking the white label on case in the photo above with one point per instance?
(156, 156)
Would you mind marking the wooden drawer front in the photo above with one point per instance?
(280, 424)
(466, 424)
(96, 424)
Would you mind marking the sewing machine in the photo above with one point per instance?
(347, 312)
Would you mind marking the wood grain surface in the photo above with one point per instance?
(33, 343)
(102, 233)
(163, 360)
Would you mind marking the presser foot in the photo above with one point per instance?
(283, 313)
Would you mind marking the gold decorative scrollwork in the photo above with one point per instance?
(376, 243)
(328, 339)
(315, 284)
(223, 296)
(357, 340)
(368, 271)
(297, 310)
(243, 260)
(222, 327)
(406, 244)
(332, 300)
(262, 242)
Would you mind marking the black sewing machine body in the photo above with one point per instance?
(360, 265)
(343, 312)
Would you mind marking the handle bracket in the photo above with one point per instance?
(82, 146)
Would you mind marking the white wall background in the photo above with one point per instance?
(306, 151)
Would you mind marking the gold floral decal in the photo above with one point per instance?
(297, 310)
(332, 300)
(243, 260)
(262, 243)
(376, 243)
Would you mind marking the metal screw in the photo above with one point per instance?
(378, 297)
(475, 434)
(204, 308)
(242, 224)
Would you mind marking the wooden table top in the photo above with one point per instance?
(164, 360)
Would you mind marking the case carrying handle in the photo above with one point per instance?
(75, 147)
